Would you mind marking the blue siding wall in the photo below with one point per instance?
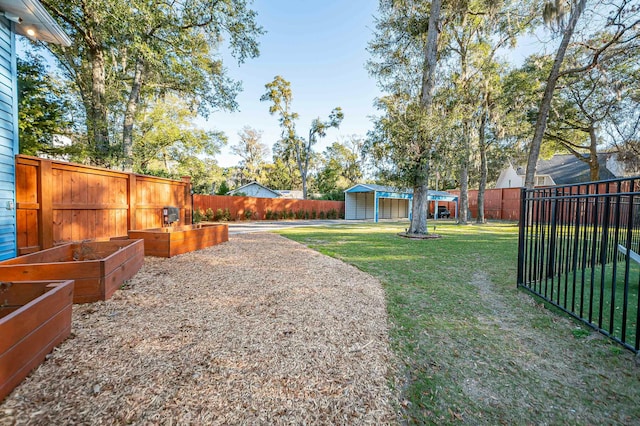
(8, 140)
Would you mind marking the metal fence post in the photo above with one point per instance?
(521, 239)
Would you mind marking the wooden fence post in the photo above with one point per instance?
(45, 198)
(132, 202)
(188, 200)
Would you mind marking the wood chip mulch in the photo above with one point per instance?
(258, 330)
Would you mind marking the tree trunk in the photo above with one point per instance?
(304, 170)
(430, 55)
(304, 187)
(130, 113)
(483, 167)
(419, 210)
(594, 166)
(545, 104)
(99, 127)
(464, 193)
(303, 175)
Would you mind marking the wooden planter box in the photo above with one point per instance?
(98, 267)
(170, 241)
(34, 317)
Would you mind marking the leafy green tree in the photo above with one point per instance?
(204, 171)
(591, 99)
(478, 30)
(453, 128)
(169, 140)
(340, 169)
(280, 95)
(253, 153)
(281, 174)
(554, 10)
(126, 53)
(406, 40)
(42, 108)
(622, 20)
(623, 127)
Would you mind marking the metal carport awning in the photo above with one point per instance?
(387, 192)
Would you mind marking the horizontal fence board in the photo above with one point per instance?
(28, 206)
(84, 206)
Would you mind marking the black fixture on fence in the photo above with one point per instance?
(579, 249)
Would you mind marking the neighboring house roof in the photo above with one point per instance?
(568, 169)
(562, 169)
(32, 20)
(250, 184)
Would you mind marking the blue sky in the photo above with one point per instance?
(320, 48)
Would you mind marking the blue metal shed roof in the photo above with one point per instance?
(372, 187)
(369, 187)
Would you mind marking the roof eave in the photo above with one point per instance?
(33, 21)
(357, 185)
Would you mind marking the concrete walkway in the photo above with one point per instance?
(266, 226)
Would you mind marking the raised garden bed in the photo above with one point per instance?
(173, 240)
(98, 267)
(34, 317)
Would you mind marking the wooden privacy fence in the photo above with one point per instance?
(58, 202)
(499, 203)
(258, 208)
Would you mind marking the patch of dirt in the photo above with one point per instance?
(525, 362)
(259, 330)
(419, 236)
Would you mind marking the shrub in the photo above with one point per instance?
(248, 214)
(300, 214)
(224, 188)
(268, 215)
(314, 214)
(332, 214)
(198, 215)
(322, 215)
(209, 214)
(227, 215)
(306, 214)
(291, 214)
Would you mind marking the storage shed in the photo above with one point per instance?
(370, 201)
(28, 18)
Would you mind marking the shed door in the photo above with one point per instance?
(8, 140)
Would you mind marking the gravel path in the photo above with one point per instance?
(259, 330)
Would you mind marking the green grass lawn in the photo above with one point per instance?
(581, 283)
(591, 291)
(470, 346)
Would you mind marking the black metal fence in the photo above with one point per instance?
(579, 249)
